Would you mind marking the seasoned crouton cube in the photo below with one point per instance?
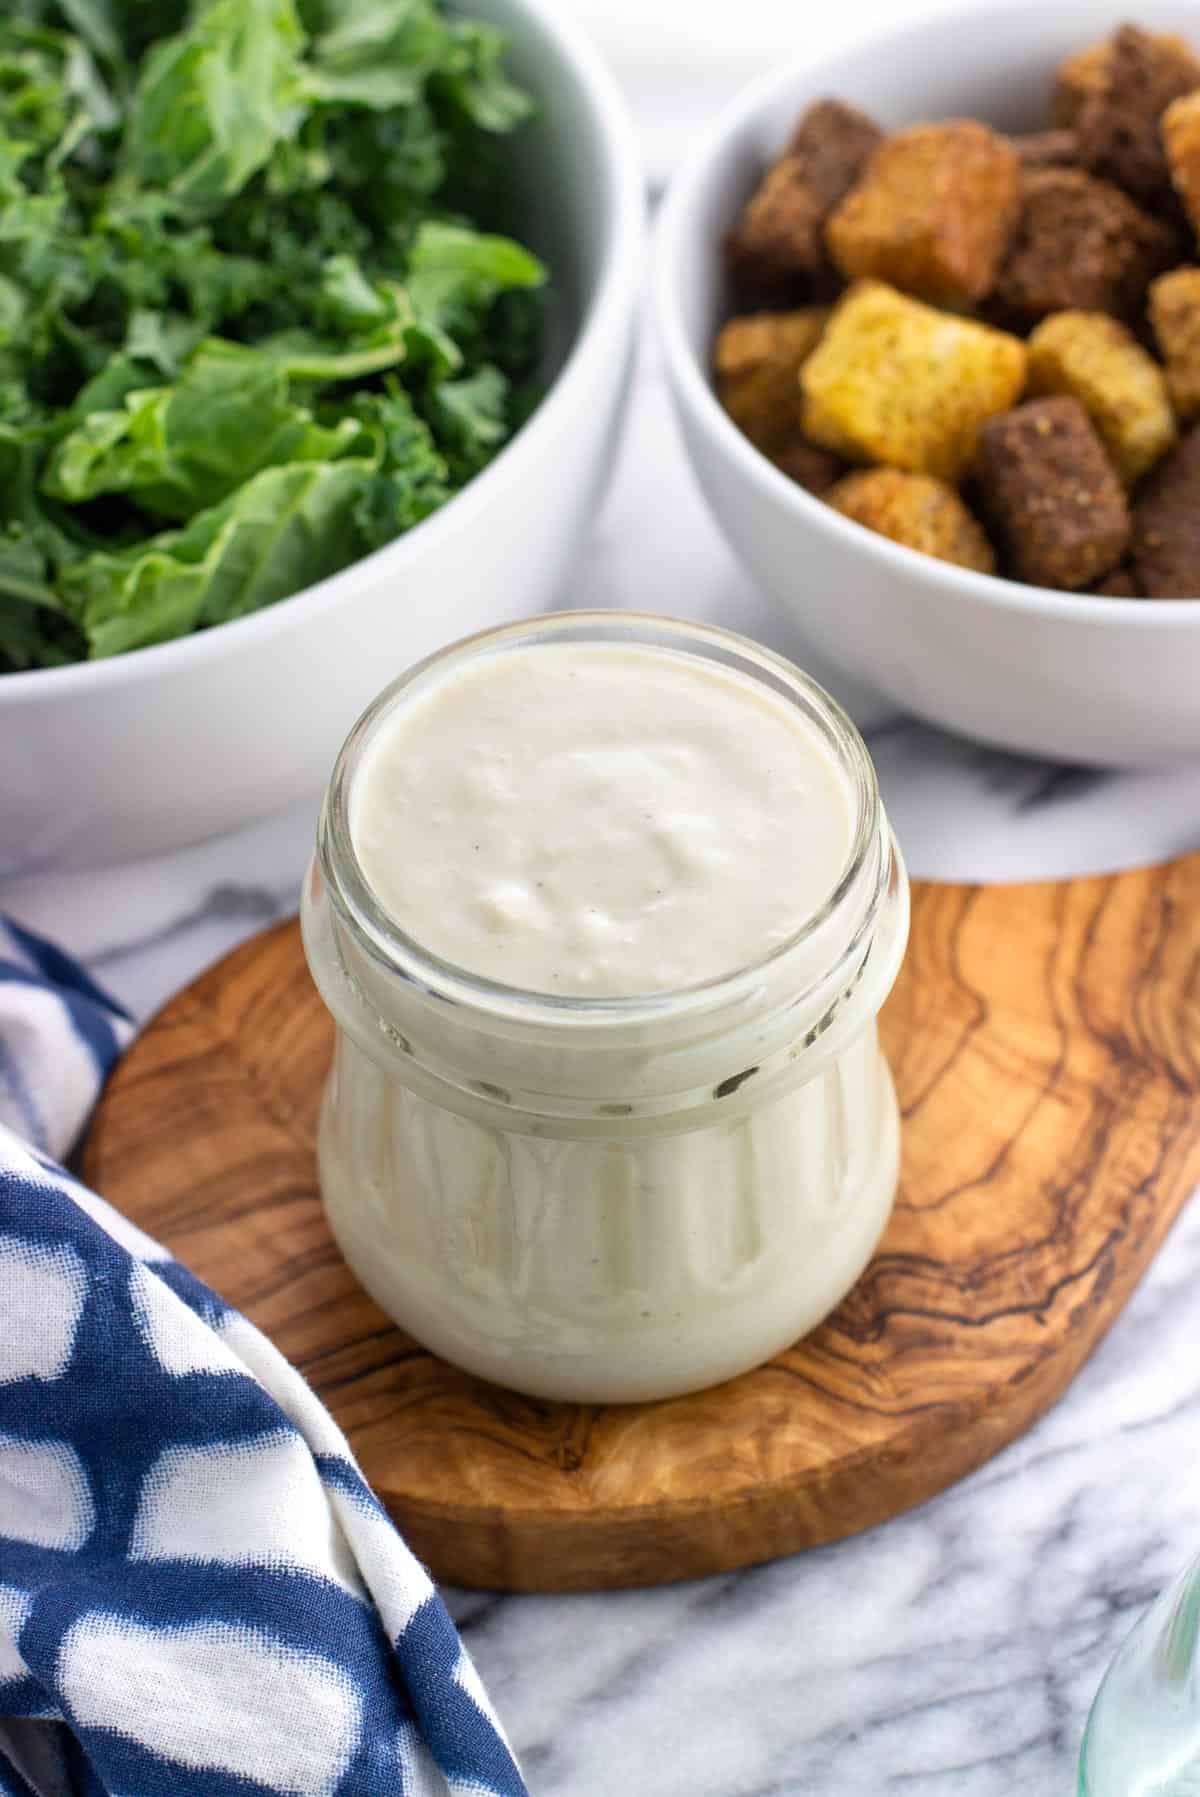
(833, 141)
(1052, 495)
(1118, 125)
(1080, 78)
(768, 340)
(1120, 584)
(1093, 73)
(1175, 315)
(1047, 149)
(809, 465)
(1120, 386)
(932, 213)
(757, 363)
(916, 510)
(1166, 525)
(757, 360)
(1080, 245)
(778, 238)
(894, 381)
(1181, 138)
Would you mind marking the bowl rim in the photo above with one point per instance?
(689, 373)
(615, 290)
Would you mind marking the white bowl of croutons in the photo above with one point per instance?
(935, 350)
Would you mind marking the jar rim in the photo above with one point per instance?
(402, 954)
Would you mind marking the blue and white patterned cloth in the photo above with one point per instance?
(59, 1035)
(199, 1596)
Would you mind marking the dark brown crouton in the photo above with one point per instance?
(1118, 124)
(1052, 494)
(778, 238)
(1166, 525)
(1047, 149)
(809, 465)
(1081, 245)
(833, 141)
(1120, 584)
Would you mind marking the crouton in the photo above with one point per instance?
(916, 510)
(1175, 315)
(1118, 124)
(1119, 384)
(1181, 140)
(768, 340)
(833, 141)
(757, 363)
(1081, 245)
(932, 213)
(1052, 495)
(894, 381)
(1080, 78)
(1047, 149)
(1166, 525)
(809, 465)
(1120, 584)
(778, 238)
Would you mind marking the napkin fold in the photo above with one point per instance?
(199, 1595)
(59, 1035)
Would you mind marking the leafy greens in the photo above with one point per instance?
(245, 335)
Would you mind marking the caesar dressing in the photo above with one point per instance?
(600, 820)
(605, 909)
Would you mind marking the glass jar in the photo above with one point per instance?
(610, 1199)
(1143, 1735)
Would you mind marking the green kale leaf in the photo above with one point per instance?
(253, 323)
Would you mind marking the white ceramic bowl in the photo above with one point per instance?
(1107, 681)
(107, 760)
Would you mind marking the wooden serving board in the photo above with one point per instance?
(1046, 1046)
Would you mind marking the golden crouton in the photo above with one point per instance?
(782, 339)
(1175, 315)
(1180, 126)
(932, 213)
(1121, 387)
(894, 381)
(757, 363)
(1080, 78)
(916, 510)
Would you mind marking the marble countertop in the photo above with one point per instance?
(953, 1651)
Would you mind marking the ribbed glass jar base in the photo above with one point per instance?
(610, 1269)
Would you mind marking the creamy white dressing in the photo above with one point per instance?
(600, 820)
(630, 1202)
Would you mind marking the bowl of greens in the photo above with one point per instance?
(315, 324)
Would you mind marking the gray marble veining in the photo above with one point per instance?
(953, 1652)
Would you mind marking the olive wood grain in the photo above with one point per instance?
(1046, 1046)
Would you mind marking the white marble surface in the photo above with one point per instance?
(955, 1650)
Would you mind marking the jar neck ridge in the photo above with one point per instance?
(656, 1059)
